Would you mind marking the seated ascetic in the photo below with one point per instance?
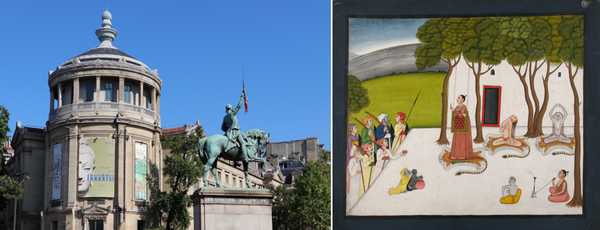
(558, 129)
(507, 128)
(558, 191)
(511, 192)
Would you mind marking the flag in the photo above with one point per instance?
(245, 98)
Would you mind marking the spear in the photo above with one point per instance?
(413, 106)
(365, 126)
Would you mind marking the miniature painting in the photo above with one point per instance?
(478, 109)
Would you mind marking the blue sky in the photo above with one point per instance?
(370, 34)
(199, 49)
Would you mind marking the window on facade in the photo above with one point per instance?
(55, 225)
(96, 225)
(127, 96)
(62, 95)
(148, 104)
(89, 92)
(241, 185)
(233, 182)
(109, 91)
(227, 179)
(141, 225)
(219, 176)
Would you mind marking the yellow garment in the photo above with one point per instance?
(397, 137)
(402, 185)
(511, 199)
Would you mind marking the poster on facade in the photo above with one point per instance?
(57, 171)
(454, 116)
(96, 168)
(140, 171)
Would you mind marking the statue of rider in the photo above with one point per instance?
(231, 127)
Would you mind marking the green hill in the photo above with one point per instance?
(396, 93)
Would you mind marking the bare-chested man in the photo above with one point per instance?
(558, 129)
(507, 128)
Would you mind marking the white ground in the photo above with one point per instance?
(447, 194)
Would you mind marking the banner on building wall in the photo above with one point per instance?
(96, 168)
(140, 171)
(57, 171)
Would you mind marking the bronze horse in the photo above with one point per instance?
(213, 147)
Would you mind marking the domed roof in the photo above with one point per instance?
(105, 50)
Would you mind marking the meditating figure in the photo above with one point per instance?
(507, 128)
(353, 172)
(558, 121)
(510, 193)
(402, 184)
(558, 191)
(462, 143)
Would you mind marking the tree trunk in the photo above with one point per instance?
(529, 106)
(577, 200)
(533, 68)
(443, 140)
(538, 132)
(479, 138)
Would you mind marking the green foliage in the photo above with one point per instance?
(357, 95)
(7, 190)
(182, 168)
(4, 129)
(309, 204)
(488, 45)
(572, 49)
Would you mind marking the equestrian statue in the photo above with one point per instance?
(234, 145)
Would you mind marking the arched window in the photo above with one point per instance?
(493, 72)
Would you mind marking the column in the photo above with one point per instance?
(158, 104)
(60, 95)
(75, 98)
(97, 93)
(51, 99)
(121, 89)
(154, 99)
(141, 94)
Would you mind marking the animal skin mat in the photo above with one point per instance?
(523, 150)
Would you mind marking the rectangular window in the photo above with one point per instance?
(89, 92)
(241, 185)
(96, 225)
(220, 176)
(55, 225)
(233, 182)
(227, 179)
(141, 225)
(127, 94)
(109, 91)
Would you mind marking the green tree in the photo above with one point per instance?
(357, 95)
(442, 38)
(7, 190)
(482, 52)
(182, 168)
(309, 204)
(529, 44)
(571, 54)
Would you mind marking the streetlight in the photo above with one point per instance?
(18, 177)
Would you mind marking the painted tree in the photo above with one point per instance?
(357, 97)
(553, 62)
(529, 44)
(182, 168)
(482, 52)
(571, 54)
(443, 38)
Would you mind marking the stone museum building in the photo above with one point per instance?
(98, 160)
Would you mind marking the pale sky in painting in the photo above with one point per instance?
(370, 34)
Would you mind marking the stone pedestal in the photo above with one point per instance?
(232, 208)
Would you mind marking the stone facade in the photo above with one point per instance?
(108, 95)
